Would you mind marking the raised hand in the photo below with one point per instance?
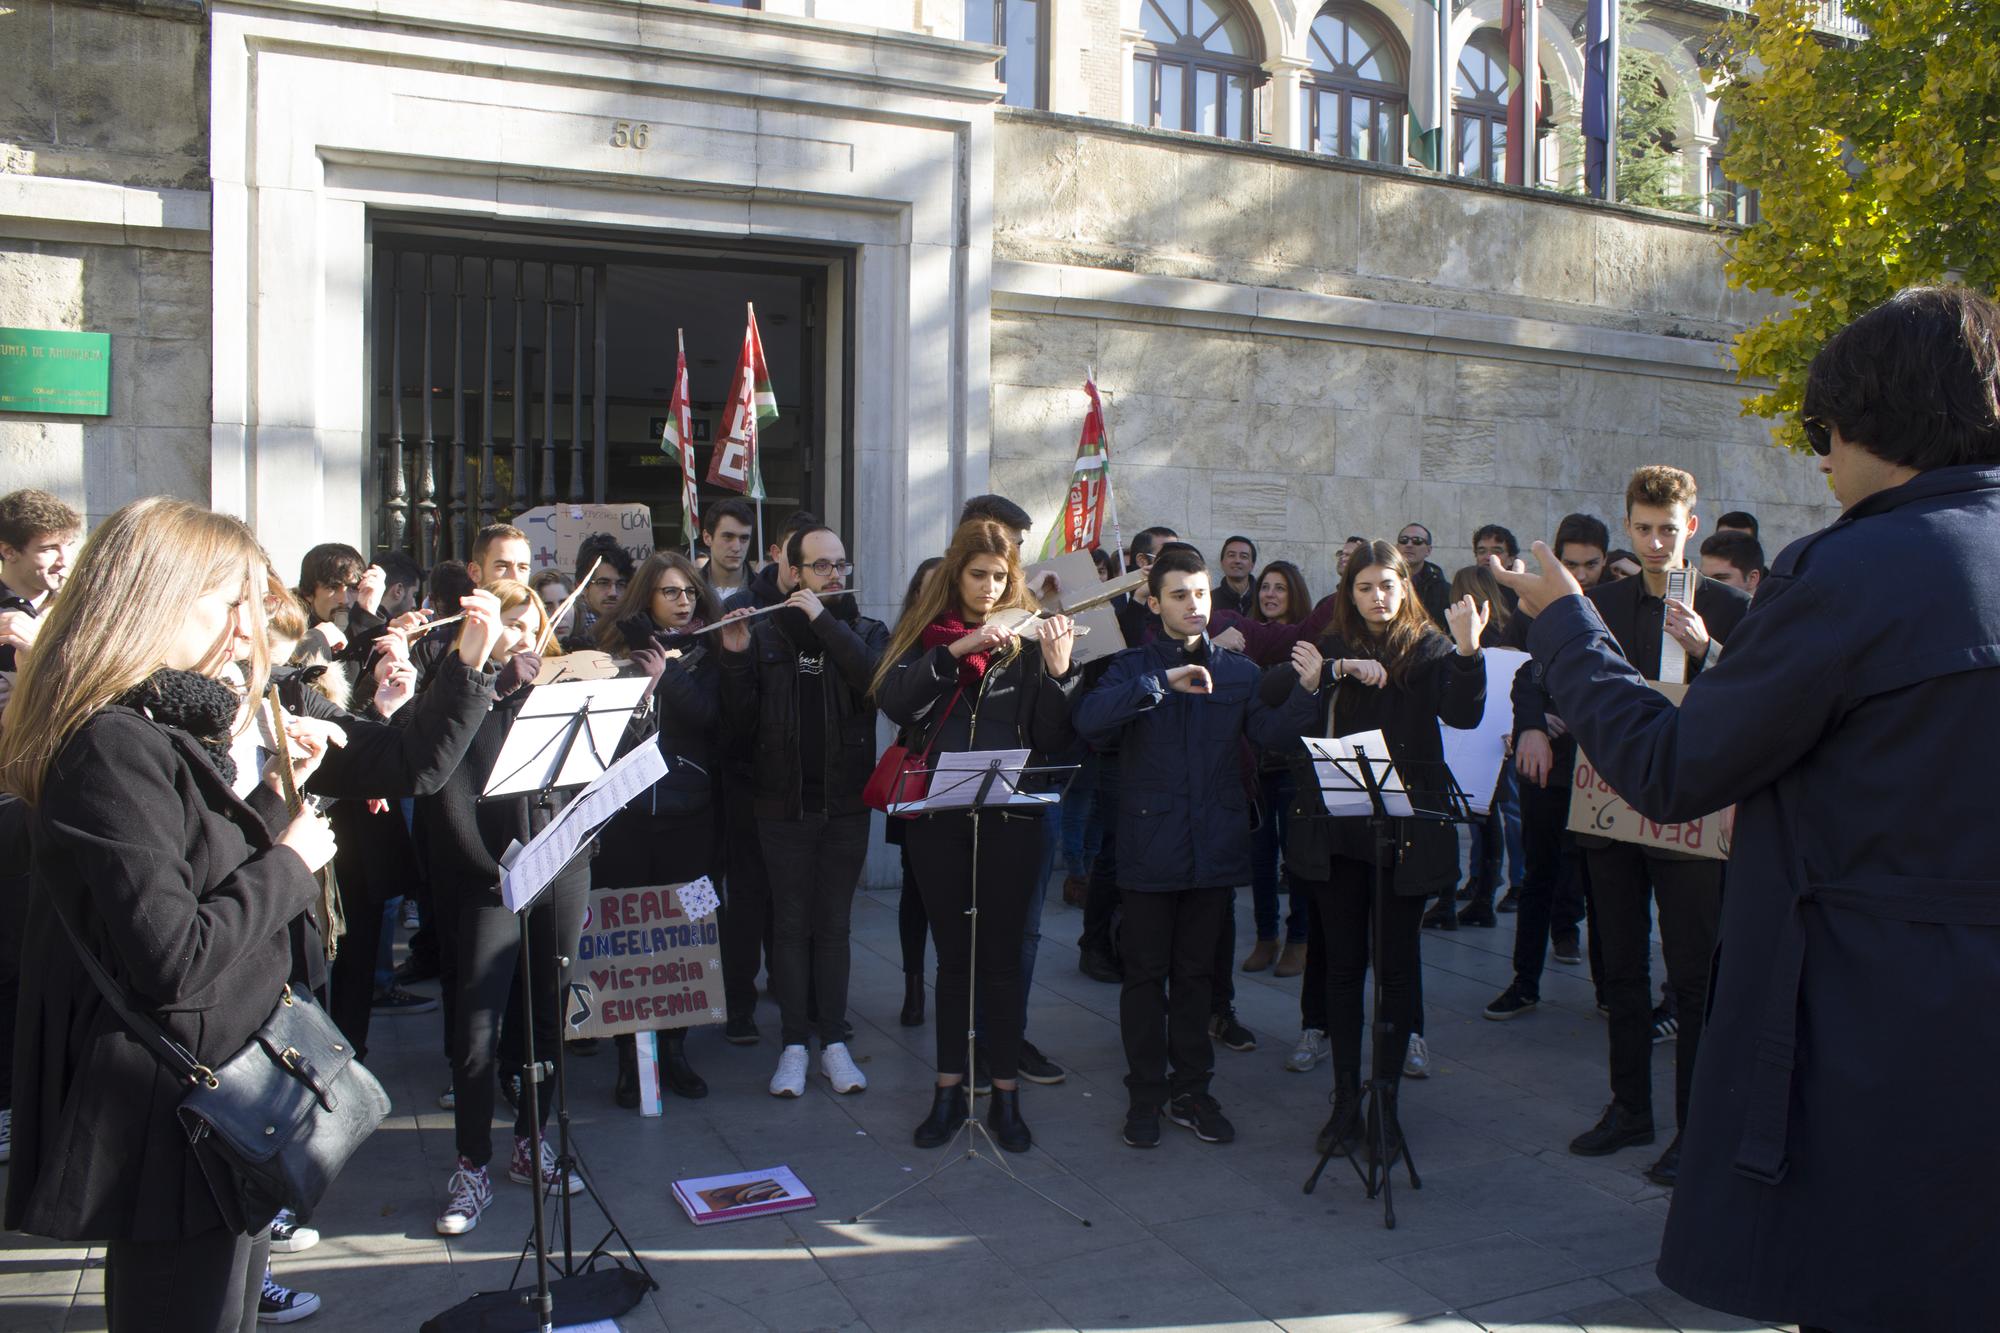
(368, 592)
(481, 629)
(1467, 619)
(1058, 639)
(1309, 663)
(311, 837)
(1537, 591)
(735, 638)
(395, 686)
(1688, 629)
(807, 601)
(1190, 680)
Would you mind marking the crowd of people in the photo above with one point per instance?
(145, 822)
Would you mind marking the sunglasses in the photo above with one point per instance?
(1413, 541)
(1818, 434)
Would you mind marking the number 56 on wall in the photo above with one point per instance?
(630, 134)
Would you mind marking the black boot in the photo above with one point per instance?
(676, 1074)
(625, 1091)
(1442, 916)
(913, 1000)
(949, 1110)
(1345, 1122)
(1003, 1121)
(1479, 912)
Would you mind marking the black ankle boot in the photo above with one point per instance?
(1003, 1121)
(949, 1110)
(1442, 916)
(676, 1074)
(913, 1000)
(625, 1091)
(1346, 1119)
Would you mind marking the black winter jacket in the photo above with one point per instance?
(760, 710)
(686, 709)
(1016, 705)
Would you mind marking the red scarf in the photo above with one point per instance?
(948, 629)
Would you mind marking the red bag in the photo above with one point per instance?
(901, 777)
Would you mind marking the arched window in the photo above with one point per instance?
(1356, 90)
(1196, 68)
(1726, 198)
(1479, 107)
(1020, 28)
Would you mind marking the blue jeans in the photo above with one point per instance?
(1082, 832)
(1267, 844)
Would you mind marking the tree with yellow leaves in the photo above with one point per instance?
(1877, 163)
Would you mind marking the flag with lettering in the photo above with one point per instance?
(751, 406)
(678, 439)
(1089, 505)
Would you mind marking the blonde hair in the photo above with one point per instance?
(513, 593)
(117, 619)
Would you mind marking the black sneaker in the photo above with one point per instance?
(1099, 965)
(1617, 1128)
(1225, 1029)
(1038, 1068)
(282, 1305)
(393, 999)
(1142, 1129)
(1510, 901)
(1512, 1003)
(1667, 1171)
(1568, 950)
(1200, 1113)
(740, 1032)
(1666, 1027)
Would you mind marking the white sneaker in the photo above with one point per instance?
(839, 1069)
(1417, 1058)
(518, 1170)
(1309, 1052)
(288, 1237)
(790, 1080)
(471, 1190)
(282, 1305)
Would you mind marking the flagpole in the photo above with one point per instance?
(1611, 111)
(1110, 491)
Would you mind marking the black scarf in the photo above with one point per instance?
(200, 706)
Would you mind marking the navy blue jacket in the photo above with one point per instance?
(1183, 814)
(1838, 1166)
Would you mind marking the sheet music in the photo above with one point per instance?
(1340, 785)
(1475, 755)
(1673, 657)
(534, 865)
(528, 755)
(959, 775)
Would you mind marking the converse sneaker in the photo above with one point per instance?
(1309, 1052)
(282, 1305)
(288, 1237)
(518, 1172)
(471, 1190)
(790, 1080)
(393, 999)
(1417, 1058)
(837, 1067)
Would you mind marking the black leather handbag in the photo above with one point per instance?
(274, 1124)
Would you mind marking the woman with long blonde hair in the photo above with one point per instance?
(956, 678)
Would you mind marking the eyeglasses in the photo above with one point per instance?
(1413, 541)
(1818, 434)
(825, 567)
(616, 585)
(675, 594)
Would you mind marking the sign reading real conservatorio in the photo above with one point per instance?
(52, 371)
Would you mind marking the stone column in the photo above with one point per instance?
(1288, 122)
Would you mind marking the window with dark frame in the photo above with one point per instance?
(1727, 199)
(1479, 107)
(1196, 68)
(1357, 89)
(1020, 28)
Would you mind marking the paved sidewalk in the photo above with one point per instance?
(1509, 1230)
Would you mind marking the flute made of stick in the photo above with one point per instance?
(542, 644)
(333, 920)
(765, 611)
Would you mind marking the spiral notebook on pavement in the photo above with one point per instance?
(710, 1199)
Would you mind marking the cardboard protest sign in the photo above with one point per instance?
(1595, 809)
(1077, 574)
(648, 958)
(555, 531)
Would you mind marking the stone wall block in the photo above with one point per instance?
(1293, 440)
(112, 299)
(1456, 449)
(1037, 424)
(41, 286)
(1150, 496)
(1610, 400)
(1476, 386)
(1533, 453)
(1379, 446)
(1309, 220)
(175, 288)
(170, 461)
(160, 381)
(1256, 504)
(1175, 363)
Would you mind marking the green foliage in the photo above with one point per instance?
(1878, 165)
(1648, 174)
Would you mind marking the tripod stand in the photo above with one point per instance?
(1375, 1110)
(983, 784)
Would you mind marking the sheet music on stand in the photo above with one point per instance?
(988, 779)
(564, 735)
(527, 870)
(1334, 764)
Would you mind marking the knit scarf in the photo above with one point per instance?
(948, 629)
(201, 706)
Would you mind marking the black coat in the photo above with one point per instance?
(1015, 706)
(684, 718)
(760, 708)
(1838, 1166)
(176, 887)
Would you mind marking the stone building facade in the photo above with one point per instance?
(1294, 345)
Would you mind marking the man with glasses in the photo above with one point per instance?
(1433, 589)
(606, 586)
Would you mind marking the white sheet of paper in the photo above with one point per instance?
(1476, 754)
(958, 776)
(1340, 783)
(527, 757)
(533, 866)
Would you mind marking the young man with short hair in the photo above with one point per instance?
(727, 530)
(1002, 511)
(38, 540)
(1433, 589)
(1735, 558)
(614, 574)
(1180, 709)
(1738, 520)
(1237, 592)
(500, 551)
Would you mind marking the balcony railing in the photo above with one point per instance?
(1833, 16)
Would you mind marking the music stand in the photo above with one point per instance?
(1346, 770)
(979, 782)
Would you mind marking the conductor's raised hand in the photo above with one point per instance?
(1058, 639)
(735, 637)
(1310, 664)
(1190, 680)
(481, 629)
(988, 638)
(1537, 591)
(1467, 618)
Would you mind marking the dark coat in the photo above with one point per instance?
(760, 708)
(1015, 706)
(176, 887)
(1434, 591)
(684, 718)
(1838, 1165)
(1183, 815)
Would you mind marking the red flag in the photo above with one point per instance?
(1080, 526)
(679, 437)
(752, 404)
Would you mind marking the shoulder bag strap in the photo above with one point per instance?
(176, 1058)
(938, 725)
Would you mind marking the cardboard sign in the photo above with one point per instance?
(1077, 573)
(1596, 810)
(644, 962)
(555, 531)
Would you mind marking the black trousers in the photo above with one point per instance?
(1312, 988)
(1010, 863)
(485, 939)
(1168, 944)
(371, 864)
(1344, 908)
(1553, 891)
(208, 1283)
(15, 852)
(815, 865)
(1222, 970)
(1102, 898)
(746, 908)
(1625, 881)
(912, 920)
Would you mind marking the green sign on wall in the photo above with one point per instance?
(48, 370)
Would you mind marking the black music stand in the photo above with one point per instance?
(1376, 1108)
(981, 782)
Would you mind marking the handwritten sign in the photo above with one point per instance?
(642, 963)
(1596, 810)
(555, 531)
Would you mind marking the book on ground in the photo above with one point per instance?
(708, 1199)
